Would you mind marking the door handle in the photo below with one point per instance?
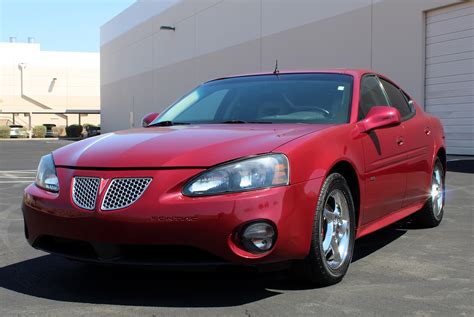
(400, 140)
(427, 131)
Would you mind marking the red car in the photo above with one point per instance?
(248, 170)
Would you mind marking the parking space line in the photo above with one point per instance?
(17, 176)
(19, 171)
(13, 182)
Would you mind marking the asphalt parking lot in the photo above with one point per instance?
(400, 271)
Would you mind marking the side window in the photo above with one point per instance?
(409, 101)
(371, 94)
(397, 99)
(205, 109)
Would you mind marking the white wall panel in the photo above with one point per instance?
(281, 15)
(226, 24)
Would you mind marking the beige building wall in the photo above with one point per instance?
(32, 80)
(144, 68)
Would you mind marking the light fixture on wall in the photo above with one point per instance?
(167, 28)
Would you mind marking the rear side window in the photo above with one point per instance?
(397, 99)
(371, 94)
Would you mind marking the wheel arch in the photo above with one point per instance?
(346, 169)
(441, 154)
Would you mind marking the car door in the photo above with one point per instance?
(384, 157)
(417, 140)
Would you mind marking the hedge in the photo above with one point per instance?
(4, 132)
(74, 131)
(39, 131)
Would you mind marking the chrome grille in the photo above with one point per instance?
(123, 192)
(84, 191)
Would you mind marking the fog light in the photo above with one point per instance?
(258, 237)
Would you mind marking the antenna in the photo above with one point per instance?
(276, 71)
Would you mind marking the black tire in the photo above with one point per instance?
(316, 268)
(429, 216)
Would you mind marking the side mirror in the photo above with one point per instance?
(379, 117)
(149, 118)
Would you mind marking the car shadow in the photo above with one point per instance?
(375, 241)
(55, 278)
(461, 166)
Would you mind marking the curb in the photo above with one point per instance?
(39, 139)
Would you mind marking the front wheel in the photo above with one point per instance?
(333, 235)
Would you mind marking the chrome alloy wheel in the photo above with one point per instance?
(437, 191)
(335, 231)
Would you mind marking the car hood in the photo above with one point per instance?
(179, 146)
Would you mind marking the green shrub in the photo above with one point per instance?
(74, 131)
(4, 132)
(39, 131)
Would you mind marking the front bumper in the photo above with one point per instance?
(165, 219)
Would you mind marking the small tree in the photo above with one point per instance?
(74, 131)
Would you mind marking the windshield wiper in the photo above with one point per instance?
(242, 121)
(167, 123)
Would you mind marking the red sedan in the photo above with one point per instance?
(248, 170)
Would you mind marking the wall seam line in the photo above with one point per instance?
(371, 33)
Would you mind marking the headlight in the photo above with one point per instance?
(46, 177)
(243, 175)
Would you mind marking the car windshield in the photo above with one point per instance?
(284, 98)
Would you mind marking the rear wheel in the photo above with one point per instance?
(432, 213)
(332, 242)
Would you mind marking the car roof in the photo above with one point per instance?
(356, 72)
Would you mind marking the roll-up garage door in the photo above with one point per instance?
(449, 77)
